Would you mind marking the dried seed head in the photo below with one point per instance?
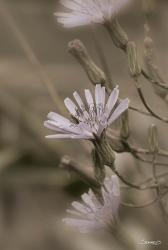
(117, 34)
(80, 13)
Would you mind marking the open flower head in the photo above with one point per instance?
(91, 214)
(91, 119)
(84, 12)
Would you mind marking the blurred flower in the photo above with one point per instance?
(91, 121)
(89, 11)
(91, 214)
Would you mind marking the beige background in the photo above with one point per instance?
(34, 193)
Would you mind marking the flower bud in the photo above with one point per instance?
(94, 73)
(125, 125)
(153, 138)
(133, 60)
(117, 34)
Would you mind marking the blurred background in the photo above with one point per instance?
(36, 74)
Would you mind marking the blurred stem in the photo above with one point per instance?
(123, 237)
(129, 147)
(102, 58)
(147, 30)
(141, 95)
(154, 82)
(142, 159)
(139, 111)
(164, 213)
(69, 164)
(132, 185)
(31, 123)
(144, 205)
(144, 73)
(148, 180)
(29, 53)
(8, 157)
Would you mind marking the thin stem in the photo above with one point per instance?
(154, 82)
(161, 152)
(164, 213)
(139, 111)
(141, 95)
(147, 204)
(102, 58)
(129, 147)
(150, 179)
(149, 161)
(69, 164)
(143, 72)
(138, 187)
(123, 237)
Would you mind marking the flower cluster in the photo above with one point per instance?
(85, 12)
(91, 119)
(92, 214)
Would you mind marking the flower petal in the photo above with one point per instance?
(112, 101)
(64, 128)
(72, 108)
(83, 225)
(103, 96)
(84, 12)
(98, 99)
(123, 106)
(81, 105)
(80, 207)
(89, 97)
(65, 136)
(95, 215)
(72, 5)
(88, 201)
(59, 119)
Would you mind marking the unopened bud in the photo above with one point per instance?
(153, 139)
(125, 125)
(117, 34)
(94, 73)
(133, 60)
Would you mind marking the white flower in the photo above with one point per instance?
(84, 12)
(92, 119)
(91, 214)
